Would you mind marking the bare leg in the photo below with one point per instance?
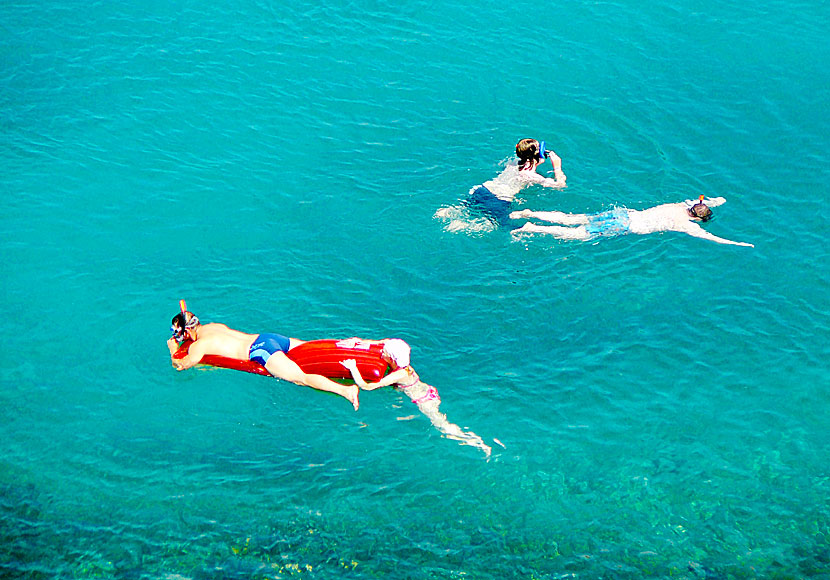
(556, 217)
(451, 430)
(561, 232)
(286, 369)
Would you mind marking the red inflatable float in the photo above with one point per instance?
(319, 357)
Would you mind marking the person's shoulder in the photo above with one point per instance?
(215, 327)
(667, 209)
(530, 175)
(509, 170)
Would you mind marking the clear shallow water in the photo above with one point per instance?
(662, 399)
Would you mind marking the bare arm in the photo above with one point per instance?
(560, 179)
(710, 201)
(698, 232)
(390, 379)
(194, 354)
(558, 183)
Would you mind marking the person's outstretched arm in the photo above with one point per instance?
(709, 201)
(698, 232)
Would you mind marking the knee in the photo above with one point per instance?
(301, 379)
(296, 377)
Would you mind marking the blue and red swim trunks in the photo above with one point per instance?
(267, 344)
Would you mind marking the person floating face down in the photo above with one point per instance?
(268, 349)
(403, 376)
(682, 217)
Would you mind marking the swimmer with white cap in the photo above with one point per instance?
(403, 376)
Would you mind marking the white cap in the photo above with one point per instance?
(398, 351)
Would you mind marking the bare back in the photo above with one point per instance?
(216, 338)
(507, 184)
(662, 218)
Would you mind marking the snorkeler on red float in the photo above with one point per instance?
(267, 349)
(403, 376)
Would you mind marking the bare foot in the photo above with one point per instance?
(525, 213)
(527, 228)
(353, 396)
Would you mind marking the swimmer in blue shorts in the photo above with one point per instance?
(266, 349)
(266, 345)
(682, 217)
(494, 198)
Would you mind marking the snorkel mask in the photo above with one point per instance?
(701, 211)
(542, 151)
(178, 331)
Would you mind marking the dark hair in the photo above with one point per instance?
(186, 320)
(179, 321)
(701, 211)
(527, 150)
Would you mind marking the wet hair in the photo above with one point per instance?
(179, 320)
(701, 211)
(527, 150)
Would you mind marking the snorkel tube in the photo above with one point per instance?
(178, 334)
(542, 152)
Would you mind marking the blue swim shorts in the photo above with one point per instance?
(497, 210)
(609, 223)
(267, 344)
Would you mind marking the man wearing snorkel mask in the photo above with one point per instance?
(682, 217)
(493, 198)
(267, 349)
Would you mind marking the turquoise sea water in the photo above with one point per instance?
(662, 400)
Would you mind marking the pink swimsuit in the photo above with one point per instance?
(430, 395)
